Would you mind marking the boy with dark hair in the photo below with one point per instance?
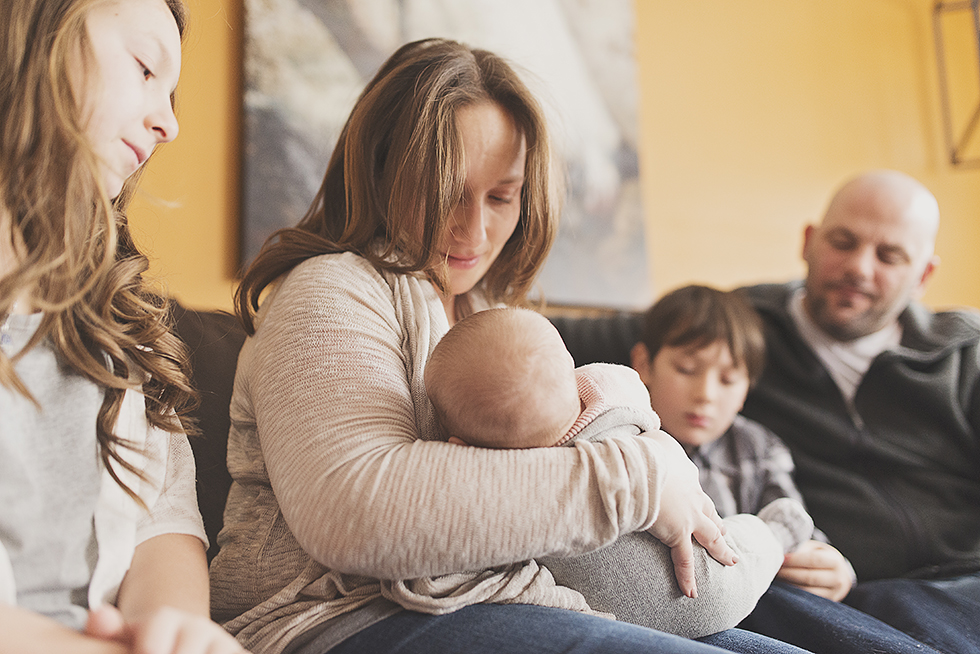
(700, 351)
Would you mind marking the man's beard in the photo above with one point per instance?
(861, 324)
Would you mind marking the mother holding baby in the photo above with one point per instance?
(438, 202)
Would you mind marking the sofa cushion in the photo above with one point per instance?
(606, 338)
(214, 339)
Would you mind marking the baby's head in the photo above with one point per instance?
(700, 351)
(503, 378)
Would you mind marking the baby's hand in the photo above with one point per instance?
(166, 631)
(686, 512)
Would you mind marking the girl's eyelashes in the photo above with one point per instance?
(147, 73)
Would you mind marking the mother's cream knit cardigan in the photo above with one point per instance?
(337, 483)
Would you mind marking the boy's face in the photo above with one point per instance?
(696, 391)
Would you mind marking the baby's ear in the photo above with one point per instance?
(457, 441)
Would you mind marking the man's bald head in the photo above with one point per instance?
(871, 254)
(889, 195)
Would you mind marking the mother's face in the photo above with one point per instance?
(494, 153)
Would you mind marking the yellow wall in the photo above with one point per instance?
(752, 112)
(186, 217)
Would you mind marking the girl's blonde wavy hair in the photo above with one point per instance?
(76, 257)
(397, 173)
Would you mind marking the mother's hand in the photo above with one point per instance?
(686, 512)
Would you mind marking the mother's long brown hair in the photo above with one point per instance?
(397, 173)
(76, 258)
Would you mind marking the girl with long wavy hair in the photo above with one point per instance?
(100, 537)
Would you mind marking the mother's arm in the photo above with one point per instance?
(362, 494)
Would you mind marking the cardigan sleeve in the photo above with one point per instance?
(359, 487)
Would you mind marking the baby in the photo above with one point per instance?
(503, 378)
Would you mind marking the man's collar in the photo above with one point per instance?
(927, 332)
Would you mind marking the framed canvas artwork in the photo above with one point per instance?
(306, 61)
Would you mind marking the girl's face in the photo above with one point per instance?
(125, 90)
(491, 206)
(696, 391)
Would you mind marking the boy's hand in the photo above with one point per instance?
(686, 512)
(820, 569)
(166, 631)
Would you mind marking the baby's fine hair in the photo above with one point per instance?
(498, 379)
(699, 316)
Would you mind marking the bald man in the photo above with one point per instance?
(878, 399)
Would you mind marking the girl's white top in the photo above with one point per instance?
(120, 523)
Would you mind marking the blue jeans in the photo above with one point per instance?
(523, 628)
(943, 613)
(795, 616)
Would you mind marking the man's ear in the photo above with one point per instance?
(809, 233)
(930, 268)
(640, 360)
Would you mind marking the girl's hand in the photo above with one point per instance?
(820, 569)
(166, 631)
(106, 623)
(686, 512)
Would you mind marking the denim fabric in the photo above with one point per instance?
(944, 613)
(795, 616)
(523, 628)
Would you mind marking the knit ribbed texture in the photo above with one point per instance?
(634, 577)
(338, 481)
